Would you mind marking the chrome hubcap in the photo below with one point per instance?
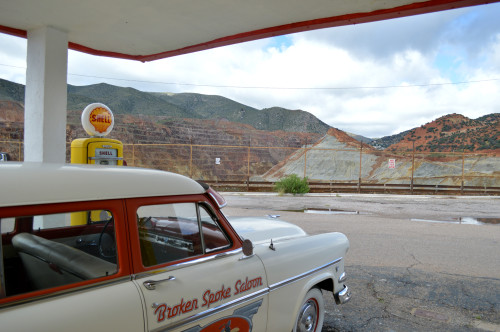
(308, 316)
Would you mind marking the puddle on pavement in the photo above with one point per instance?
(326, 211)
(464, 221)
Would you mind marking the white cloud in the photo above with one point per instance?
(13, 59)
(329, 68)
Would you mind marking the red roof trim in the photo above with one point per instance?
(85, 49)
(355, 18)
(13, 32)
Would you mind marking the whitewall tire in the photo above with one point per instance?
(311, 312)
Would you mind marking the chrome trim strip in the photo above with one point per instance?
(302, 275)
(67, 291)
(213, 311)
(177, 266)
(105, 158)
(216, 201)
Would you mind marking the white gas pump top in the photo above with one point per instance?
(97, 120)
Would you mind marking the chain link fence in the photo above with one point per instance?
(355, 168)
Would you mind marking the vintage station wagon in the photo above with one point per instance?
(92, 248)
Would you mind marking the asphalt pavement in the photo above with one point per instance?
(416, 263)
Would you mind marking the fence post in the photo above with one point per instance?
(305, 159)
(133, 154)
(248, 165)
(463, 172)
(360, 161)
(191, 158)
(412, 166)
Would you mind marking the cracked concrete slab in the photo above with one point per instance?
(404, 275)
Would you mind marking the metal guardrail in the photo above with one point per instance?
(356, 187)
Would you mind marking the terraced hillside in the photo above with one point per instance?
(337, 158)
(175, 132)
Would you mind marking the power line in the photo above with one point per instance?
(279, 88)
(293, 88)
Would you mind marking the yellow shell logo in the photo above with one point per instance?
(100, 118)
(97, 120)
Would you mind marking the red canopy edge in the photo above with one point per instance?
(13, 32)
(328, 22)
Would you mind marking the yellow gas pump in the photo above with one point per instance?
(98, 121)
(96, 150)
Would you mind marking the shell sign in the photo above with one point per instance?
(97, 120)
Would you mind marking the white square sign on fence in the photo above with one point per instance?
(217, 161)
(392, 163)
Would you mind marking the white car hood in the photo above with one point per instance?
(259, 229)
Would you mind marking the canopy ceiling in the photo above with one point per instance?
(147, 30)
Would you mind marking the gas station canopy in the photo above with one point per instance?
(147, 30)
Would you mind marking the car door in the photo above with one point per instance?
(60, 274)
(191, 270)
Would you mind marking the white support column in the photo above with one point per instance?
(46, 96)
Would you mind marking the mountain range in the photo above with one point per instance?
(182, 105)
(452, 132)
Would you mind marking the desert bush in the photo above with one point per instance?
(292, 184)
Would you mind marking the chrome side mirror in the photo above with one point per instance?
(247, 248)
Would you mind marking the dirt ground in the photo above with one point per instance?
(416, 263)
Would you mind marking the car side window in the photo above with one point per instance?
(47, 251)
(7, 225)
(172, 232)
(213, 236)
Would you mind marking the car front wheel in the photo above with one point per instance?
(311, 313)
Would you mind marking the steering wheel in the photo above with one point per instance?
(108, 250)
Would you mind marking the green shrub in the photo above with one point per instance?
(292, 184)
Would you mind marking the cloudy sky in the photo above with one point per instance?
(373, 79)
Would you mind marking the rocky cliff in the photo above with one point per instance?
(453, 132)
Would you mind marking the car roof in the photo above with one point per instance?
(40, 183)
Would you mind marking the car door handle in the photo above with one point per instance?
(151, 284)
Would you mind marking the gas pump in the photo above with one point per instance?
(98, 121)
(96, 150)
